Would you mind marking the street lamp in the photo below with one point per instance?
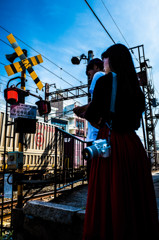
(76, 61)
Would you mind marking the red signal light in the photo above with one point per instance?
(11, 95)
(43, 107)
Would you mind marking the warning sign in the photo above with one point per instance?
(23, 111)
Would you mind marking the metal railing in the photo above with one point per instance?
(68, 154)
(68, 168)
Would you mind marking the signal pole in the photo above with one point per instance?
(77, 60)
(47, 86)
(90, 57)
(21, 136)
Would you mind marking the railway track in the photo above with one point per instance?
(45, 196)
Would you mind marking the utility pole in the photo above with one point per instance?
(90, 57)
(21, 136)
(75, 92)
(76, 61)
(47, 86)
(11, 58)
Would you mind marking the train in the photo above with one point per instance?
(39, 148)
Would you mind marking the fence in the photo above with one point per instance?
(66, 169)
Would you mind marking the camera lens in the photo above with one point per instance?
(90, 152)
(87, 153)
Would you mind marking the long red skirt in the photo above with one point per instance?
(121, 203)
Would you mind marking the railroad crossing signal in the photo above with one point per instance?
(25, 63)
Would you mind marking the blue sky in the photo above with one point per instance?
(61, 29)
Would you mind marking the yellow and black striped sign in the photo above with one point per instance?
(25, 63)
(22, 65)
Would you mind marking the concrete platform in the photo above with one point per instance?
(58, 220)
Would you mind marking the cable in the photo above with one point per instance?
(5, 43)
(36, 88)
(115, 23)
(42, 56)
(31, 87)
(48, 69)
(100, 22)
(8, 78)
(119, 30)
(61, 78)
(56, 75)
(48, 60)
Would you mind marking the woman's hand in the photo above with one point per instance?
(97, 124)
(80, 111)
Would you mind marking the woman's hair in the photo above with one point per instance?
(130, 101)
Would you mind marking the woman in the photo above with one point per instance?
(121, 202)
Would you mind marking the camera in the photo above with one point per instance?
(99, 148)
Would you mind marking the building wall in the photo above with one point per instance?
(76, 125)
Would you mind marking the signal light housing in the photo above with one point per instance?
(44, 107)
(14, 95)
(11, 95)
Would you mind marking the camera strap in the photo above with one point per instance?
(112, 102)
(114, 90)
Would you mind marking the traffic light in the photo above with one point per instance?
(44, 107)
(11, 95)
(14, 95)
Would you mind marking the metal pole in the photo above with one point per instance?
(46, 99)
(90, 57)
(20, 168)
(55, 170)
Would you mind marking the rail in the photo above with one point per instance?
(67, 169)
(73, 161)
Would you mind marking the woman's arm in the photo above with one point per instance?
(80, 111)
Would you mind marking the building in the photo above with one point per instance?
(76, 125)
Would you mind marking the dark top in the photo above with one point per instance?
(128, 106)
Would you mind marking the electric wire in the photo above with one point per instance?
(43, 56)
(115, 23)
(31, 87)
(6, 43)
(48, 60)
(47, 68)
(57, 75)
(27, 84)
(100, 22)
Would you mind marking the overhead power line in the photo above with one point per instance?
(5, 43)
(43, 56)
(100, 22)
(48, 71)
(45, 67)
(119, 30)
(115, 23)
(40, 66)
